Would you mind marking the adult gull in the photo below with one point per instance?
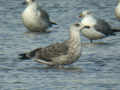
(98, 28)
(59, 54)
(117, 10)
(34, 18)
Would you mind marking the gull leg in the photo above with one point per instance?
(91, 41)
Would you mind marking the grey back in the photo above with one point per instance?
(103, 27)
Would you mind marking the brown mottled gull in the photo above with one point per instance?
(35, 19)
(60, 53)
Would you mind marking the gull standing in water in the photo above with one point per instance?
(98, 28)
(35, 19)
(59, 54)
(117, 10)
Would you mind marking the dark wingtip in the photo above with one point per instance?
(54, 23)
(24, 3)
(116, 29)
(23, 56)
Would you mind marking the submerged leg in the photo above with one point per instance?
(91, 41)
(59, 66)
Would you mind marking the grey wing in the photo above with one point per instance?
(44, 14)
(51, 51)
(103, 27)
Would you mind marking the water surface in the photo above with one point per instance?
(97, 69)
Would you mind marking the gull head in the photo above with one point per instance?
(84, 13)
(28, 2)
(78, 27)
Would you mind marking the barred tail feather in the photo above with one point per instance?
(53, 23)
(23, 56)
(116, 29)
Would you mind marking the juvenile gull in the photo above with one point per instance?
(35, 18)
(60, 53)
(98, 28)
(117, 10)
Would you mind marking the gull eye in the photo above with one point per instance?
(77, 24)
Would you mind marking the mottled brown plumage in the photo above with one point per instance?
(50, 51)
(59, 53)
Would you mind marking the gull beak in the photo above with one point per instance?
(24, 3)
(81, 15)
(82, 27)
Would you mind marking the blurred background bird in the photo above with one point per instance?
(36, 19)
(98, 28)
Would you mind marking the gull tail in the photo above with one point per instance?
(28, 55)
(23, 56)
(53, 23)
(116, 29)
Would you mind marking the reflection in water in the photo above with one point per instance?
(33, 34)
(69, 68)
(95, 44)
(37, 33)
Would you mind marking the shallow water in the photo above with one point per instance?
(97, 69)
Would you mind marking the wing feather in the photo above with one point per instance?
(49, 52)
(103, 27)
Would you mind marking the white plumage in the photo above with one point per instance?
(35, 18)
(98, 28)
(92, 34)
(88, 18)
